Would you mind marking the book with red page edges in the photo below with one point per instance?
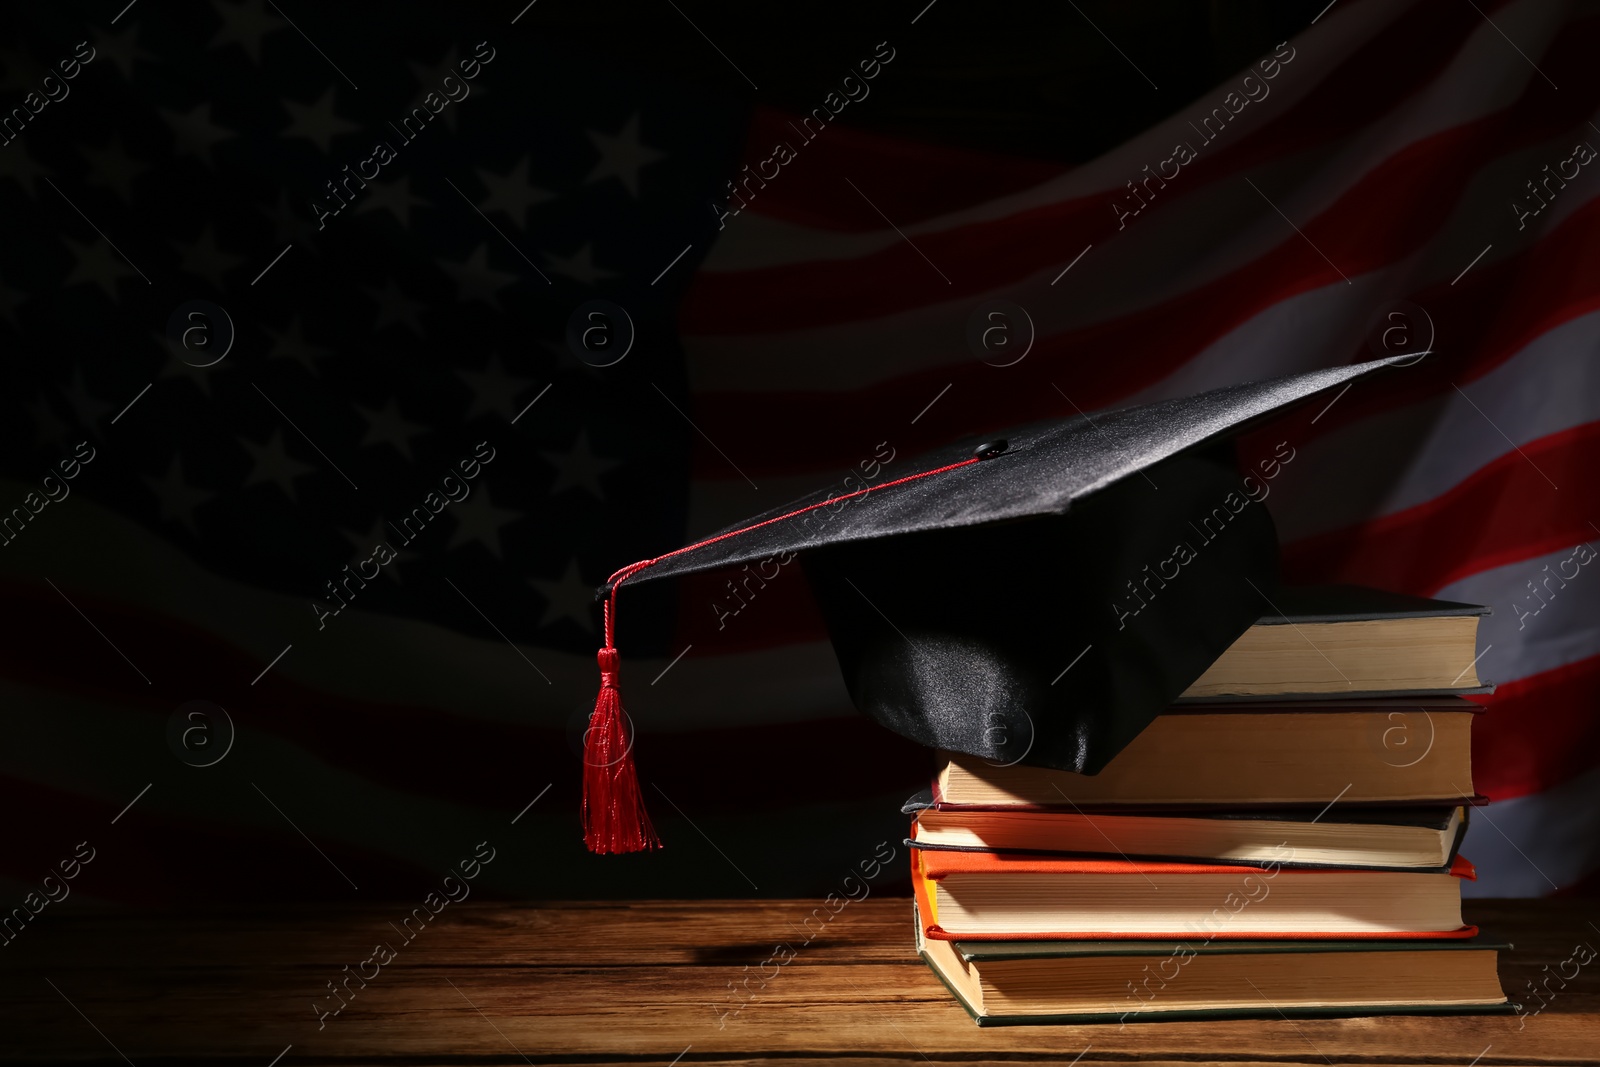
(969, 896)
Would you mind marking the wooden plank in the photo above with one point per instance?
(588, 933)
(641, 982)
(617, 1013)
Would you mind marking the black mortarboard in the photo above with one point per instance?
(1038, 599)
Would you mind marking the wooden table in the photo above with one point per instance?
(645, 982)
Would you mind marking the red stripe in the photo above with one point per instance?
(1506, 511)
(1538, 732)
(811, 190)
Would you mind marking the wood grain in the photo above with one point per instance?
(645, 982)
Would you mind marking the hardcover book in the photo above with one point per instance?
(1349, 640)
(1380, 838)
(1009, 896)
(1039, 982)
(1264, 754)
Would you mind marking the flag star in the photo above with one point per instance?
(97, 263)
(23, 72)
(112, 168)
(199, 377)
(579, 468)
(171, 367)
(394, 306)
(622, 155)
(389, 427)
(89, 408)
(204, 259)
(244, 24)
(270, 463)
(47, 425)
(567, 597)
(195, 133)
(9, 299)
(393, 196)
(17, 164)
(381, 533)
(177, 497)
(290, 226)
(317, 122)
(579, 266)
(493, 389)
(430, 79)
(123, 48)
(510, 192)
(476, 280)
(291, 344)
(477, 519)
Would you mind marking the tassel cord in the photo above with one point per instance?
(614, 816)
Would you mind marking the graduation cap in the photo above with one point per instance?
(1038, 598)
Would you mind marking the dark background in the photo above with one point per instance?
(186, 143)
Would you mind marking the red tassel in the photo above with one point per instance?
(614, 819)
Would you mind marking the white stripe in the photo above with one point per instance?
(1279, 339)
(1549, 386)
(1522, 845)
(1534, 630)
(369, 656)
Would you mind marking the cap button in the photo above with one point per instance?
(990, 449)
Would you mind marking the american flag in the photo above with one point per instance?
(180, 692)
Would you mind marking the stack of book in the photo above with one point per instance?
(1282, 841)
